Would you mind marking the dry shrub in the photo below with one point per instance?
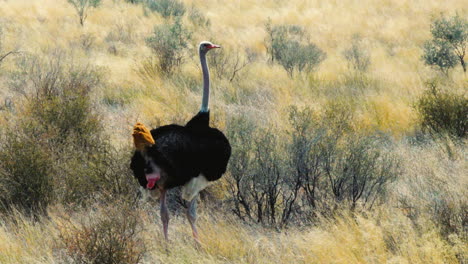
(110, 235)
(173, 35)
(25, 173)
(57, 92)
(443, 112)
(278, 177)
(86, 175)
(229, 64)
(57, 148)
(357, 55)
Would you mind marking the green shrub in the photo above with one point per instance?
(439, 54)
(448, 44)
(257, 171)
(443, 112)
(94, 173)
(59, 96)
(25, 172)
(166, 8)
(290, 47)
(59, 118)
(278, 177)
(297, 57)
(359, 169)
(169, 44)
(276, 35)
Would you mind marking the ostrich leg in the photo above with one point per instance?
(164, 213)
(192, 216)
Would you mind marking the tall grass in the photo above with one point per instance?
(386, 235)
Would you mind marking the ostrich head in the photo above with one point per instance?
(205, 46)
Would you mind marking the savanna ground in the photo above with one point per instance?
(331, 165)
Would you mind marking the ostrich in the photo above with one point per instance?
(190, 156)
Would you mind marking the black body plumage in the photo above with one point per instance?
(184, 152)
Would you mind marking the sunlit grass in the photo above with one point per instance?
(393, 31)
(386, 236)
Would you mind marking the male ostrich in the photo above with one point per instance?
(190, 156)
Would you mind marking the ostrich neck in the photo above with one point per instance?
(206, 83)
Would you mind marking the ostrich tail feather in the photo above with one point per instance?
(142, 136)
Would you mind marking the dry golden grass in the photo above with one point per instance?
(393, 31)
(385, 236)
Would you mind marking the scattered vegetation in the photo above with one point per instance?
(357, 56)
(315, 170)
(448, 44)
(169, 44)
(167, 8)
(57, 150)
(289, 45)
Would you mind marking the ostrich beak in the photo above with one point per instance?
(214, 46)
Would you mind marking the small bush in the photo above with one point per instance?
(297, 57)
(169, 43)
(443, 112)
(359, 170)
(166, 8)
(276, 35)
(25, 172)
(357, 56)
(290, 47)
(109, 236)
(58, 94)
